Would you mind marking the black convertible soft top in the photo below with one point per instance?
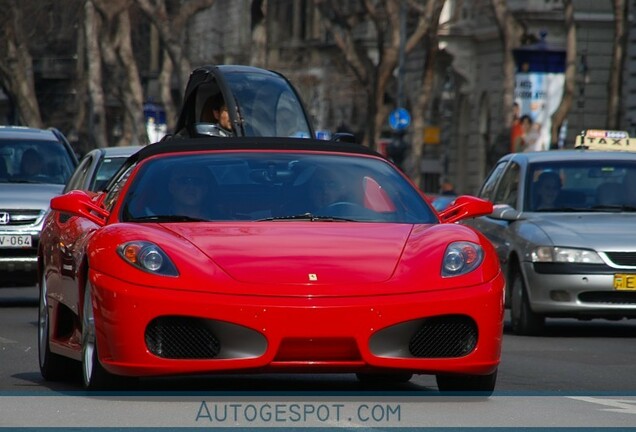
(178, 144)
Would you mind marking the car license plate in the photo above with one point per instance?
(15, 241)
(625, 282)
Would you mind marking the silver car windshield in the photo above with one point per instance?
(581, 186)
(270, 186)
(34, 161)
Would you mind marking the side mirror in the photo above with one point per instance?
(464, 207)
(79, 203)
(505, 212)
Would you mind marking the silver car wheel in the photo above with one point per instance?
(43, 323)
(524, 320)
(88, 338)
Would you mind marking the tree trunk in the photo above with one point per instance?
(510, 32)
(563, 109)
(97, 111)
(132, 91)
(422, 103)
(618, 62)
(17, 65)
(165, 80)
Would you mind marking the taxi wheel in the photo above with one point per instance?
(524, 320)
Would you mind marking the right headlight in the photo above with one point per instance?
(461, 257)
(565, 255)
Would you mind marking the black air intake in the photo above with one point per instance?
(176, 337)
(444, 336)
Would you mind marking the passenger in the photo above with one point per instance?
(547, 188)
(326, 188)
(31, 164)
(215, 112)
(629, 187)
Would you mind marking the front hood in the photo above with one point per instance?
(598, 231)
(298, 252)
(28, 196)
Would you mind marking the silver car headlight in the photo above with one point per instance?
(565, 255)
(461, 258)
(148, 257)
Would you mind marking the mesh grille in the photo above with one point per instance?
(608, 297)
(181, 338)
(445, 336)
(622, 258)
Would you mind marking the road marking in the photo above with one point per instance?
(625, 406)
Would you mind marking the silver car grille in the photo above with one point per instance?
(17, 217)
(622, 258)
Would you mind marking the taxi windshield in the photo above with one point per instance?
(269, 106)
(581, 186)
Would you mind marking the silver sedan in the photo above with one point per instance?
(564, 226)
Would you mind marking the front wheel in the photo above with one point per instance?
(484, 384)
(95, 377)
(524, 320)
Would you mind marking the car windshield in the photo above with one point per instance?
(269, 106)
(271, 186)
(582, 185)
(106, 170)
(34, 161)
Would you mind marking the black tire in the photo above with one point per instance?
(53, 367)
(379, 378)
(524, 321)
(484, 385)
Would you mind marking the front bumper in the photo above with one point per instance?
(290, 334)
(582, 294)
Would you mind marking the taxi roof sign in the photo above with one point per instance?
(605, 140)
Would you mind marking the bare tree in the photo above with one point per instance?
(259, 33)
(510, 32)
(422, 103)
(618, 62)
(374, 57)
(97, 105)
(117, 54)
(171, 26)
(16, 67)
(562, 111)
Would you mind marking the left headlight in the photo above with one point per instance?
(148, 257)
(565, 255)
(461, 258)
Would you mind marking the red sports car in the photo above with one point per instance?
(214, 255)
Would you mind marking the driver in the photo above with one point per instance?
(31, 164)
